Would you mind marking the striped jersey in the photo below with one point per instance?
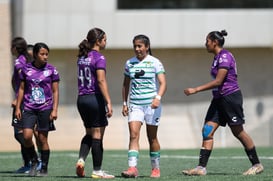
(143, 75)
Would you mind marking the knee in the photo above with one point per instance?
(153, 140)
(237, 131)
(28, 142)
(134, 136)
(207, 132)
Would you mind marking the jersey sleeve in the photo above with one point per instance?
(55, 75)
(159, 68)
(22, 73)
(18, 65)
(225, 60)
(101, 63)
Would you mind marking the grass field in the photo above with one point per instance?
(225, 164)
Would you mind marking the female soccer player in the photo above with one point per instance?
(39, 88)
(226, 105)
(94, 103)
(142, 75)
(19, 50)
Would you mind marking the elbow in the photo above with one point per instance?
(217, 83)
(101, 81)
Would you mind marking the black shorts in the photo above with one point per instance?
(42, 118)
(92, 110)
(14, 122)
(227, 110)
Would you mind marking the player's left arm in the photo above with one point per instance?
(103, 85)
(161, 90)
(55, 93)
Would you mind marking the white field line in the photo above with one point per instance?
(74, 155)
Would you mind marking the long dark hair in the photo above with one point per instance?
(20, 45)
(145, 40)
(87, 44)
(218, 36)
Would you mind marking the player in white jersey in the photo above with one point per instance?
(144, 77)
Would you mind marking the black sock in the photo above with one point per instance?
(86, 144)
(204, 157)
(252, 156)
(45, 158)
(20, 138)
(32, 155)
(25, 156)
(97, 153)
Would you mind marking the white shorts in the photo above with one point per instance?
(145, 114)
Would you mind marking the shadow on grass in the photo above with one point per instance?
(7, 172)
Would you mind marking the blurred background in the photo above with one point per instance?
(177, 30)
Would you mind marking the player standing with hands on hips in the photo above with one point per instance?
(39, 92)
(144, 76)
(93, 99)
(226, 106)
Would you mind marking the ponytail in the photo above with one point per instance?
(87, 44)
(20, 45)
(84, 48)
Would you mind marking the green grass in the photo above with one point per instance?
(225, 164)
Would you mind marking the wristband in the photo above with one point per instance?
(124, 103)
(158, 97)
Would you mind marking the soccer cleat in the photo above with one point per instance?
(255, 169)
(23, 169)
(80, 168)
(199, 171)
(39, 166)
(42, 172)
(155, 173)
(131, 172)
(33, 170)
(101, 174)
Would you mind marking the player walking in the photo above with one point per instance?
(226, 105)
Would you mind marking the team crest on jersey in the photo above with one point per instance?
(46, 73)
(148, 63)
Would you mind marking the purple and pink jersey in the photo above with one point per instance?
(19, 64)
(87, 76)
(38, 93)
(230, 84)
